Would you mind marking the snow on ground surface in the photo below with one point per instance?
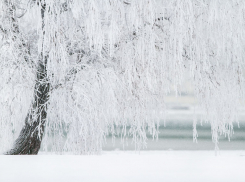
(118, 166)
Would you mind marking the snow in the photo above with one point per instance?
(119, 166)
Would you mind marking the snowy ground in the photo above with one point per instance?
(117, 166)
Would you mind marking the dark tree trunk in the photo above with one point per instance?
(29, 140)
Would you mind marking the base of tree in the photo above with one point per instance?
(29, 140)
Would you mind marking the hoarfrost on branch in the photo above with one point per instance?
(112, 63)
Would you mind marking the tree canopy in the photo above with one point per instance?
(109, 63)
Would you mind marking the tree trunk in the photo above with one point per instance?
(29, 140)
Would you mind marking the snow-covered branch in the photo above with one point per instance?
(108, 64)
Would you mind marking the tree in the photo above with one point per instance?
(97, 64)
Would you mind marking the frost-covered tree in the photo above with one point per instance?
(77, 69)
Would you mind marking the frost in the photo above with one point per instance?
(111, 64)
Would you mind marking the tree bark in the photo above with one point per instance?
(29, 140)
